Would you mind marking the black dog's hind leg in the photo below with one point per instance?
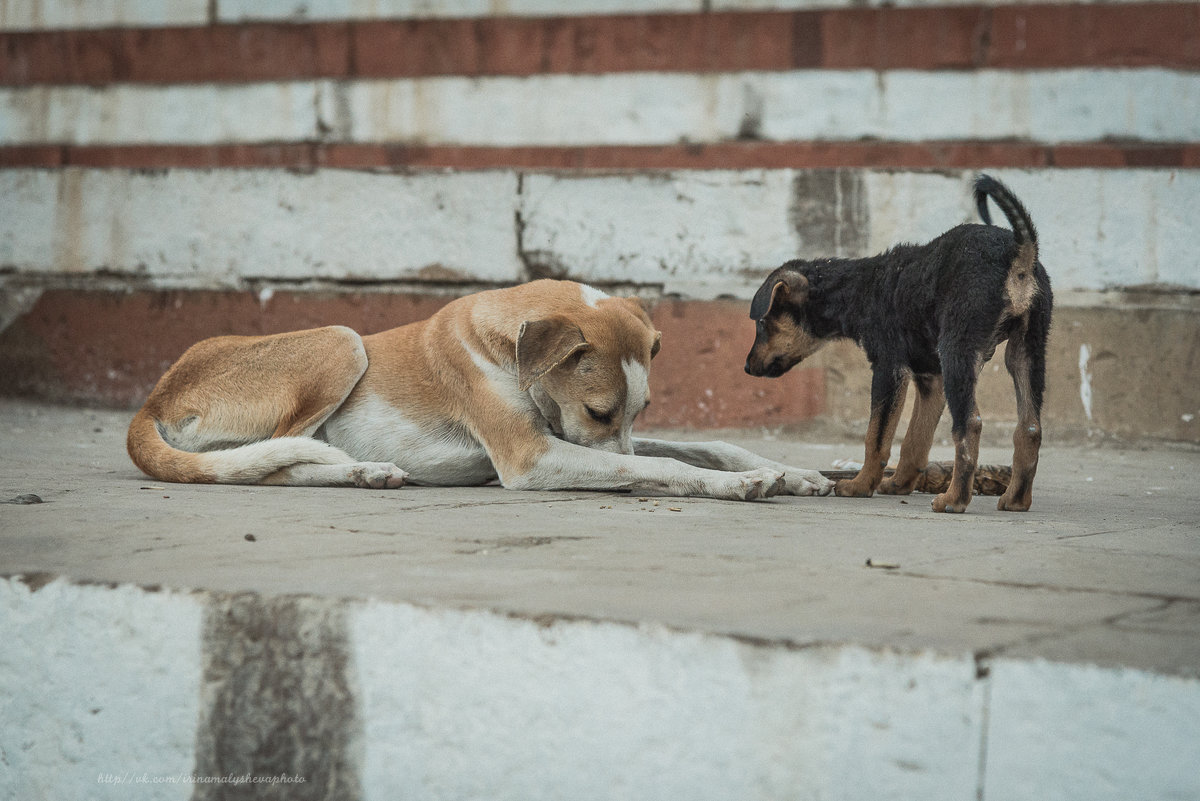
(1025, 358)
(959, 371)
(888, 388)
(918, 439)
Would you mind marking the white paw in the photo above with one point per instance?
(806, 482)
(761, 483)
(377, 475)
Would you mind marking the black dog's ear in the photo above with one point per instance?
(542, 345)
(785, 285)
(791, 287)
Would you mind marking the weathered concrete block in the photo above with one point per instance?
(1048, 735)
(635, 108)
(467, 704)
(236, 10)
(214, 228)
(138, 114)
(701, 234)
(41, 14)
(99, 688)
(279, 700)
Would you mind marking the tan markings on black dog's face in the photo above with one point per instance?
(781, 341)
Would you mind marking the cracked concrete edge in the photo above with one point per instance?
(367, 698)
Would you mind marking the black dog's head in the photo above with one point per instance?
(782, 338)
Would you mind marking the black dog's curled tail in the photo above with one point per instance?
(1021, 284)
(986, 186)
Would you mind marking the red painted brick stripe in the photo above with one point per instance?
(1013, 37)
(111, 347)
(725, 155)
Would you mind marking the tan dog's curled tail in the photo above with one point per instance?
(1020, 284)
(244, 464)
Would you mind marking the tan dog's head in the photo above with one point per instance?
(783, 336)
(588, 369)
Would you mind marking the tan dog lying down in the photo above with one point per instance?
(538, 385)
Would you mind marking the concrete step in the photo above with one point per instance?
(478, 643)
(115, 691)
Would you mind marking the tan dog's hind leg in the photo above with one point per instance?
(914, 451)
(368, 475)
(241, 409)
(245, 389)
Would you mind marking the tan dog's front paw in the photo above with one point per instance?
(378, 475)
(853, 488)
(761, 483)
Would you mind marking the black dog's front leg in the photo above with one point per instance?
(889, 385)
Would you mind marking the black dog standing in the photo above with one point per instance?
(934, 314)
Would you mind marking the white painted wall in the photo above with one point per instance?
(692, 232)
(1152, 105)
(203, 229)
(1097, 228)
(49, 14)
(697, 233)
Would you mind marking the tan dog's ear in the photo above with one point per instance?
(657, 344)
(542, 345)
(791, 287)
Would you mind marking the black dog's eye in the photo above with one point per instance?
(599, 417)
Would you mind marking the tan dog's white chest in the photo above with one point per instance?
(371, 429)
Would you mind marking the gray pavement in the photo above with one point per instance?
(1105, 569)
